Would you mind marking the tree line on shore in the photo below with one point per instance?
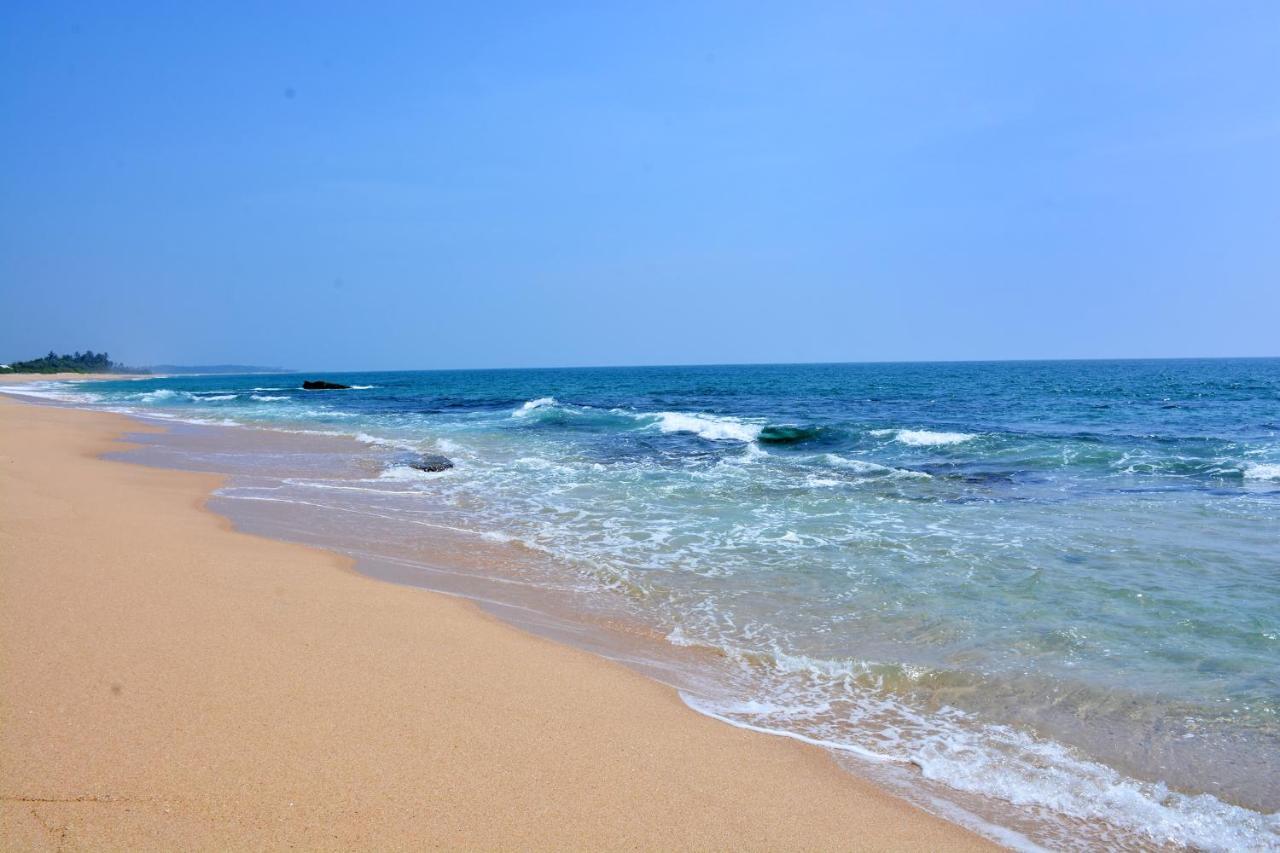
(78, 362)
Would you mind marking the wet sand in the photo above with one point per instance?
(168, 682)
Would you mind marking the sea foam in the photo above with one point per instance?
(50, 391)
(873, 469)
(1029, 773)
(929, 438)
(533, 405)
(1262, 471)
(710, 427)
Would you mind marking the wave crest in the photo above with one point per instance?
(533, 405)
(930, 438)
(1262, 471)
(874, 469)
(710, 427)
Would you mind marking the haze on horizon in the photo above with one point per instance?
(419, 186)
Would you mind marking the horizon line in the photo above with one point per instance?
(787, 363)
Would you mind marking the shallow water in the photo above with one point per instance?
(1048, 593)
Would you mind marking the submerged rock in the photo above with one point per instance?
(321, 385)
(431, 462)
(788, 434)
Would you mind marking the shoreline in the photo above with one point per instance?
(144, 711)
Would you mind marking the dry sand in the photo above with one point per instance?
(166, 682)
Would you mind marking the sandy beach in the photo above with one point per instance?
(167, 682)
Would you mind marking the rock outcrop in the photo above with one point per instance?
(431, 462)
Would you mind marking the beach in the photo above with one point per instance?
(169, 682)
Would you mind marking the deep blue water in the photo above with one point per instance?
(983, 569)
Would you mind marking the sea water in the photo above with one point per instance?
(1045, 594)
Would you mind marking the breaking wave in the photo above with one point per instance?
(533, 405)
(873, 469)
(710, 427)
(929, 438)
(790, 434)
(1262, 471)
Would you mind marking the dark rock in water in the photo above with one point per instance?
(788, 434)
(321, 385)
(431, 462)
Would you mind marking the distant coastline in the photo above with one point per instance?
(90, 363)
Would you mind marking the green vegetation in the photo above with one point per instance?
(80, 362)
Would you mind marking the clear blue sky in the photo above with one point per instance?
(408, 185)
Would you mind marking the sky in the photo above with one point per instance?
(400, 186)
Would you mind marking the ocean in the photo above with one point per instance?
(1040, 598)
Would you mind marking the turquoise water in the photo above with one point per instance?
(1051, 586)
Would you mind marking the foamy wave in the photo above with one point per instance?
(266, 398)
(362, 437)
(533, 405)
(362, 387)
(823, 482)
(378, 441)
(1262, 471)
(167, 417)
(537, 463)
(874, 469)
(50, 391)
(161, 395)
(929, 438)
(709, 427)
(1034, 775)
(407, 473)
